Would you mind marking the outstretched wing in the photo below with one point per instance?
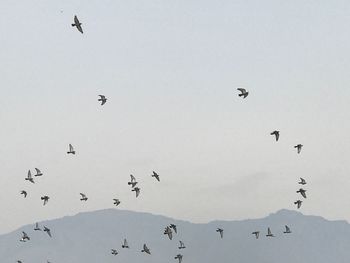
(37, 171)
(287, 229)
(29, 174)
(242, 90)
(71, 149)
(133, 179)
(82, 195)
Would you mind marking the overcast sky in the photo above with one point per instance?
(170, 70)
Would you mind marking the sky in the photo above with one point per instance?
(170, 70)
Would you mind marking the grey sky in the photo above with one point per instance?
(170, 72)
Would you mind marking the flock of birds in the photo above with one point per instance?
(172, 228)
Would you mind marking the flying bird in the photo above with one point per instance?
(221, 231)
(298, 203)
(302, 181)
(302, 192)
(24, 193)
(29, 177)
(256, 233)
(77, 24)
(179, 257)
(38, 172)
(103, 99)
(146, 249)
(114, 252)
(48, 231)
(18, 261)
(45, 198)
(155, 175)
(136, 190)
(287, 230)
(83, 197)
(116, 202)
(174, 228)
(168, 232)
(125, 244)
(298, 147)
(132, 182)
(25, 237)
(37, 228)
(277, 134)
(71, 149)
(182, 245)
(243, 93)
(269, 234)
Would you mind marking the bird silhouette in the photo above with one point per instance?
(114, 252)
(155, 175)
(24, 193)
(221, 231)
(243, 93)
(298, 147)
(277, 134)
(179, 257)
(182, 245)
(38, 172)
(103, 99)
(25, 237)
(298, 203)
(146, 249)
(77, 24)
(136, 190)
(287, 230)
(302, 192)
(83, 197)
(37, 228)
(125, 244)
(71, 149)
(269, 233)
(48, 231)
(302, 181)
(116, 202)
(29, 177)
(256, 233)
(168, 232)
(45, 198)
(132, 182)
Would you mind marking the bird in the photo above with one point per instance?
(71, 149)
(37, 228)
(221, 231)
(114, 252)
(256, 233)
(302, 181)
(173, 227)
(277, 134)
(125, 244)
(298, 203)
(116, 202)
(155, 175)
(24, 193)
(77, 24)
(182, 245)
(146, 249)
(103, 99)
(48, 231)
(132, 182)
(29, 177)
(302, 192)
(269, 234)
(83, 197)
(25, 237)
(179, 257)
(38, 172)
(298, 147)
(18, 261)
(168, 232)
(243, 93)
(45, 198)
(136, 190)
(287, 230)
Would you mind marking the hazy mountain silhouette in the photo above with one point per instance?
(89, 238)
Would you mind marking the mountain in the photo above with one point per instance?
(89, 238)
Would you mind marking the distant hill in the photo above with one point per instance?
(89, 238)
